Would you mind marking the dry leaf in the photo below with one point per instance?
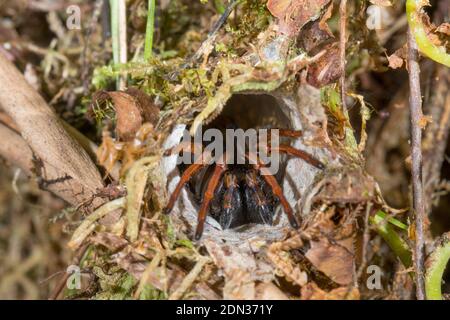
(128, 115)
(133, 107)
(395, 61)
(294, 14)
(333, 260)
(327, 69)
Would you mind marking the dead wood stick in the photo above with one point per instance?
(16, 150)
(415, 105)
(61, 164)
(342, 44)
(89, 146)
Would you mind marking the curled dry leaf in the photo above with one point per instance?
(133, 107)
(351, 186)
(279, 256)
(294, 14)
(241, 269)
(313, 36)
(327, 69)
(110, 241)
(334, 260)
(395, 61)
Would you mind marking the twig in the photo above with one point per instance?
(415, 104)
(342, 43)
(15, 149)
(189, 279)
(87, 37)
(213, 32)
(60, 154)
(88, 224)
(366, 239)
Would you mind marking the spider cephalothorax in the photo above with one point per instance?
(235, 194)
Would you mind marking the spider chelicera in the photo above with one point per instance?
(235, 194)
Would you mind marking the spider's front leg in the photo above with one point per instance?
(287, 149)
(187, 174)
(209, 194)
(283, 148)
(276, 188)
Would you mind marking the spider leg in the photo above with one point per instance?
(185, 146)
(209, 194)
(187, 174)
(276, 188)
(284, 148)
(288, 133)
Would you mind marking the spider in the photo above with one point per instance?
(235, 194)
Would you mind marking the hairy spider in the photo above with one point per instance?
(235, 194)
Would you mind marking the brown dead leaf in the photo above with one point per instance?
(294, 14)
(149, 110)
(333, 260)
(133, 107)
(313, 37)
(312, 292)
(128, 115)
(279, 256)
(327, 69)
(109, 240)
(395, 61)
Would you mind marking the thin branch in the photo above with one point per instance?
(415, 104)
(213, 32)
(342, 43)
(60, 162)
(15, 149)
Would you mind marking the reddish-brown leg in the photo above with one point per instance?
(186, 146)
(288, 133)
(283, 148)
(187, 174)
(276, 188)
(209, 194)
